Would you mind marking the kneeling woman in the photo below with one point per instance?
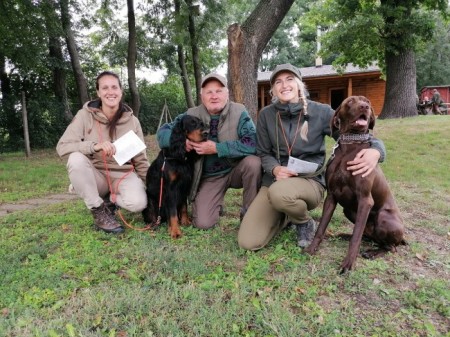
(293, 126)
(93, 172)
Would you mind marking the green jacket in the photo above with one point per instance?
(271, 144)
(236, 137)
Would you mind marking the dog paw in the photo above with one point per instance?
(310, 250)
(346, 266)
(175, 233)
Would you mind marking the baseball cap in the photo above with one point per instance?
(214, 76)
(285, 67)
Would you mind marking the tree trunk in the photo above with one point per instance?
(193, 11)
(400, 95)
(59, 75)
(182, 63)
(80, 79)
(245, 46)
(56, 59)
(185, 77)
(131, 59)
(9, 123)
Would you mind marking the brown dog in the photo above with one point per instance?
(368, 201)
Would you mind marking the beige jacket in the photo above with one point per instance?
(89, 127)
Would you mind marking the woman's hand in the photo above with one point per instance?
(107, 147)
(282, 172)
(364, 163)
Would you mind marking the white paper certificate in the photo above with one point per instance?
(301, 166)
(127, 147)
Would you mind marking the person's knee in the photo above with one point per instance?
(135, 205)
(205, 225)
(138, 205)
(284, 203)
(249, 243)
(76, 160)
(253, 164)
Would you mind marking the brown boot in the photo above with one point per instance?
(105, 221)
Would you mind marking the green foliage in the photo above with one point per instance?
(153, 98)
(292, 42)
(361, 32)
(433, 56)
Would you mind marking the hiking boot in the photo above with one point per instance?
(105, 221)
(110, 206)
(305, 233)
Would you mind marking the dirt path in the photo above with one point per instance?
(29, 204)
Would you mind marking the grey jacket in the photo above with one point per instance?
(271, 144)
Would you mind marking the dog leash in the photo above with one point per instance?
(111, 189)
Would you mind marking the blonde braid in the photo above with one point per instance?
(302, 94)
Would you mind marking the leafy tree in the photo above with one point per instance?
(387, 31)
(80, 80)
(291, 42)
(433, 58)
(154, 96)
(246, 44)
(131, 58)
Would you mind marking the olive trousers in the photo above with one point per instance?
(286, 200)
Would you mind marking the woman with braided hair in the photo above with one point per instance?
(293, 128)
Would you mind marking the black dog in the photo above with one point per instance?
(169, 177)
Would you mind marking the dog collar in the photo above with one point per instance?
(354, 138)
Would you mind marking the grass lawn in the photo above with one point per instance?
(60, 277)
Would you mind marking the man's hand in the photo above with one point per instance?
(189, 145)
(282, 172)
(364, 163)
(107, 147)
(208, 147)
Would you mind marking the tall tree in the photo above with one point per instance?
(433, 58)
(80, 79)
(387, 31)
(56, 60)
(131, 59)
(246, 43)
(182, 59)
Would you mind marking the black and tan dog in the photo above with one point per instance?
(169, 177)
(368, 201)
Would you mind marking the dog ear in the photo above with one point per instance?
(335, 121)
(177, 145)
(372, 119)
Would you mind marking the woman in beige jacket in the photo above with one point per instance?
(88, 145)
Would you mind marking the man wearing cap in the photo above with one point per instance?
(291, 129)
(227, 158)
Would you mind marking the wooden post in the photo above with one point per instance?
(164, 114)
(25, 125)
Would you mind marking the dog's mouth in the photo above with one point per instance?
(362, 120)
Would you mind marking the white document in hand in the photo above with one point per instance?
(301, 166)
(127, 147)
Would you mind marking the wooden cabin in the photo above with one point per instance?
(427, 92)
(326, 85)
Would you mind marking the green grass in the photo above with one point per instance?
(23, 178)
(59, 277)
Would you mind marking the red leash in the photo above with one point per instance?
(111, 190)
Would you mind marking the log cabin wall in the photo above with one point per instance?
(326, 86)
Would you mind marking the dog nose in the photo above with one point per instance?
(364, 106)
(205, 134)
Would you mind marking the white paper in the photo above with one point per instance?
(301, 166)
(127, 147)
